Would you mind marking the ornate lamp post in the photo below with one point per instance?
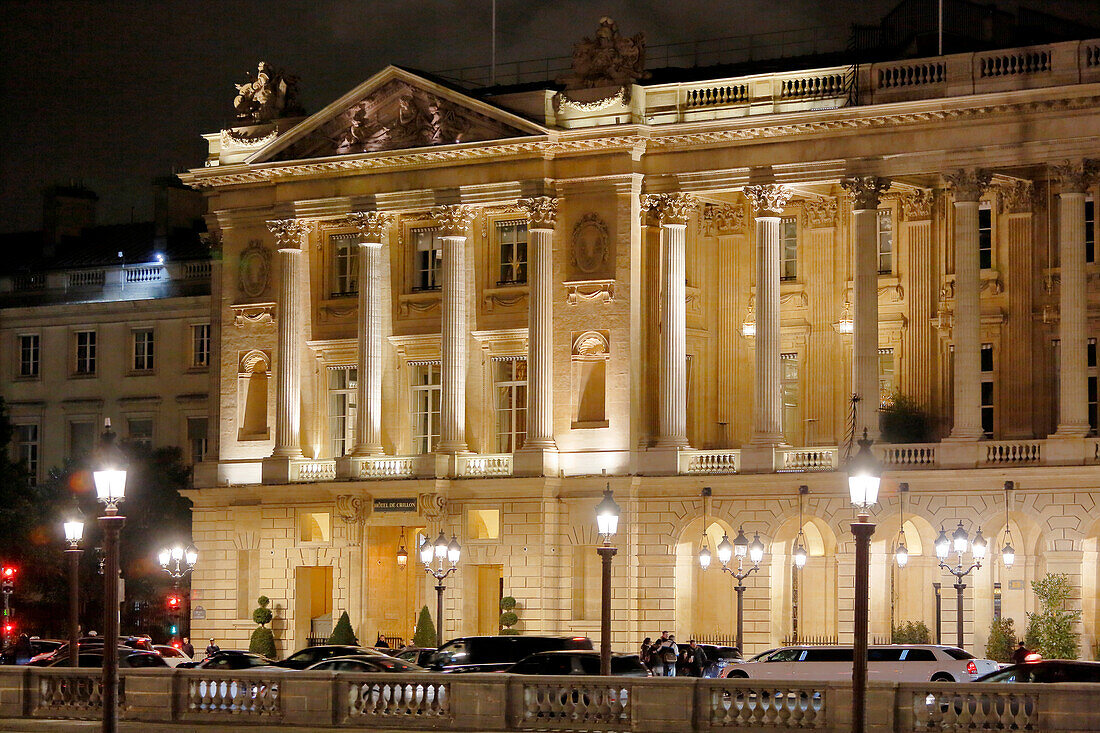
(74, 533)
(110, 486)
(959, 542)
(799, 555)
(901, 552)
(178, 563)
(441, 552)
(864, 475)
(739, 548)
(1008, 553)
(607, 523)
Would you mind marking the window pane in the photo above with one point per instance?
(788, 244)
(200, 345)
(885, 241)
(512, 246)
(985, 237)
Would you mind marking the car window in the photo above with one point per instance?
(828, 655)
(453, 652)
(410, 656)
(957, 653)
(250, 660)
(306, 655)
(1009, 676)
(219, 663)
(885, 655)
(786, 655)
(919, 655)
(389, 664)
(145, 660)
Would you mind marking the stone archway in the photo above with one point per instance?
(804, 601)
(704, 603)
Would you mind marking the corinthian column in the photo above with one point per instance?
(368, 424)
(289, 236)
(866, 191)
(672, 211)
(1073, 417)
(542, 215)
(768, 202)
(967, 187)
(454, 225)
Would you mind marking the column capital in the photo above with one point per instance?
(968, 184)
(289, 233)
(371, 224)
(454, 220)
(866, 190)
(669, 208)
(917, 205)
(542, 212)
(1017, 197)
(1074, 176)
(769, 199)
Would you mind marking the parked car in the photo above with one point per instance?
(719, 657)
(497, 653)
(417, 655)
(1047, 670)
(38, 646)
(361, 663)
(127, 659)
(90, 643)
(313, 654)
(173, 656)
(578, 662)
(892, 663)
(229, 659)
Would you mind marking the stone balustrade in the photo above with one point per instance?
(259, 698)
(106, 283)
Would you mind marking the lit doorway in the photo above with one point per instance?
(490, 589)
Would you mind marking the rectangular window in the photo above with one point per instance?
(143, 350)
(25, 446)
(85, 352)
(200, 345)
(512, 244)
(987, 390)
(1092, 384)
(343, 384)
(197, 438)
(28, 355)
(140, 431)
(428, 266)
(345, 264)
(885, 376)
(1090, 230)
(427, 392)
(885, 242)
(510, 381)
(789, 395)
(81, 437)
(985, 236)
(788, 248)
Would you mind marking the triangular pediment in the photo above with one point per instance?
(395, 110)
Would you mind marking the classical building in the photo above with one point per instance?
(106, 322)
(440, 310)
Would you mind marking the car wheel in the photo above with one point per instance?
(942, 677)
(737, 675)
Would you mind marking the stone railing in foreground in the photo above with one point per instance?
(258, 698)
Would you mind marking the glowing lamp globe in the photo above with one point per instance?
(607, 515)
(725, 550)
(756, 549)
(454, 551)
(704, 558)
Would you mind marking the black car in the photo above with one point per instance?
(579, 662)
(414, 655)
(311, 655)
(228, 659)
(1048, 670)
(498, 653)
(381, 663)
(38, 646)
(127, 659)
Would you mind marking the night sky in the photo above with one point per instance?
(114, 94)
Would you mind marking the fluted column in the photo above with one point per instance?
(1073, 418)
(866, 191)
(454, 224)
(672, 211)
(768, 202)
(289, 236)
(368, 423)
(542, 214)
(967, 187)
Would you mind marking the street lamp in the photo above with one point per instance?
(864, 476)
(607, 523)
(440, 552)
(959, 542)
(901, 552)
(800, 555)
(178, 563)
(739, 548)
(1008, 554)
(74, 533)
(110, 486)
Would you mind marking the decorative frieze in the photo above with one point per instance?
(769, 199)
(917, 205)
(865, 190)
(820, 213)
(720, 219)
(542, 212)
(968, 184)
(589, 291)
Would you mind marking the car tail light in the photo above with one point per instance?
(971, 668)
(580, 638)
(1033, 657)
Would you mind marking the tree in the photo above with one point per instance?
(342, 633)
(1051, 631)
(911, 632)
(508, 618)
(1002, 640)
(263, 640)
(424, 634)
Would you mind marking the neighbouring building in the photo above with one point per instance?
(443, 309)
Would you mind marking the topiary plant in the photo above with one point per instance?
(342, 633)
(508, 618)
(911, 632)
(424, 634)
(1002, 640)
(263, 640)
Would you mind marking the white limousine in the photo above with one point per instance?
(892, 663)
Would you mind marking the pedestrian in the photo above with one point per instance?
(380, 642)
(187, 649)
(696, 659)
(23, 649)
(212, 649)
(670, 654)
(1019, 656)
(645, 652)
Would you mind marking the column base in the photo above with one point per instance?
(1073, 430)
(659, 461)
(957, 452)
(535, 461)
(759, 456)
(1066, 450)
(275, 470)
(452, 448)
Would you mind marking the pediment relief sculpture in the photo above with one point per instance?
(269, 94)
(609, 59)
(398, 116)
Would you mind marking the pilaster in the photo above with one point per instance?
(454, 223)
(917, 271)
(371, 226)
(1073, 419)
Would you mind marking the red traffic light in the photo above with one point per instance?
(8, 572)
(9, 628)
(173, 602)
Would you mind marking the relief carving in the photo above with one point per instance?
(253, 314)
(371, 224)
(968, 184)
(289, 233)
(254, 269)
(917, 206)
(1074, 175)
(455, 220)
(1017, 197)
(589, 247)
(607, 60)
(266, 96)
(433, 507)
(722, 219)
(820, 213)
(542, 212)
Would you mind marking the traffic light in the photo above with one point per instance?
(9, 628)
(7, 577)
(173, 629)
(173, 602)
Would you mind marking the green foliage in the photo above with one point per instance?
(904, 420)
(342, 633)
(424, 634)
(263, 614)
(911, 632)
(263, 642)
(509, 632)
(508, 619)
(1002, 640)
(1051, 631)
(507, 603)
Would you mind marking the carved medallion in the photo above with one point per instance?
(254, 271)
(590, 244)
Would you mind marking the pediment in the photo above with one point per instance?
(395, 110)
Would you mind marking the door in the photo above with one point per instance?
(490, 582)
